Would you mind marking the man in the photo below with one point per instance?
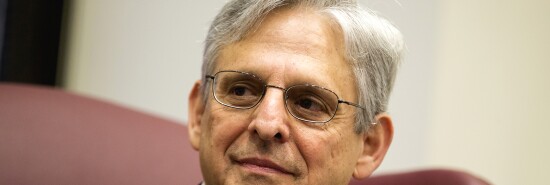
(294, 92)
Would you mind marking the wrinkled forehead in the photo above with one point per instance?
(292, 46)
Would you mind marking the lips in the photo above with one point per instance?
(262, 165)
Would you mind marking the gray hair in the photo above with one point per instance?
(373, 45)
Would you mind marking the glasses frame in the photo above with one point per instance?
(285, 95)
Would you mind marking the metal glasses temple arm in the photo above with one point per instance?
(352, 104)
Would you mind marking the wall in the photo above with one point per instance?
(492, 89)
(139, 53)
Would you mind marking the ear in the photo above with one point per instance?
(376, 140)
(196, 109)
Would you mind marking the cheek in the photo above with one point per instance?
(223, 128)
(331, 155)
(220, 130)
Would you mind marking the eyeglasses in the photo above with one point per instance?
(309, 103)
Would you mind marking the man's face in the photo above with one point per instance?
(266, 144)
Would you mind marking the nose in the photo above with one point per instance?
(270, 119)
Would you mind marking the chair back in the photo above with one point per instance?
(49, 136)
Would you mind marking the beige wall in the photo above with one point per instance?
(492, 89)
(471, 93)
(140, 53)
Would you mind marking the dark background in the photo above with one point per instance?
(29, 40)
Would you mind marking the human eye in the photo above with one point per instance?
(241, 90)
(310, 103)
(242, 94)
(310, 107)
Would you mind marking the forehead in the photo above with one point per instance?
(292, 46)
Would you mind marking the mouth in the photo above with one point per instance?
(262, 166)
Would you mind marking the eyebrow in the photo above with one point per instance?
(301, 80)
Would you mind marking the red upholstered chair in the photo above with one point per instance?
(424, 177)
(48, 136)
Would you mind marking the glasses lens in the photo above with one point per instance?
(236, 89)
(311, 103)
